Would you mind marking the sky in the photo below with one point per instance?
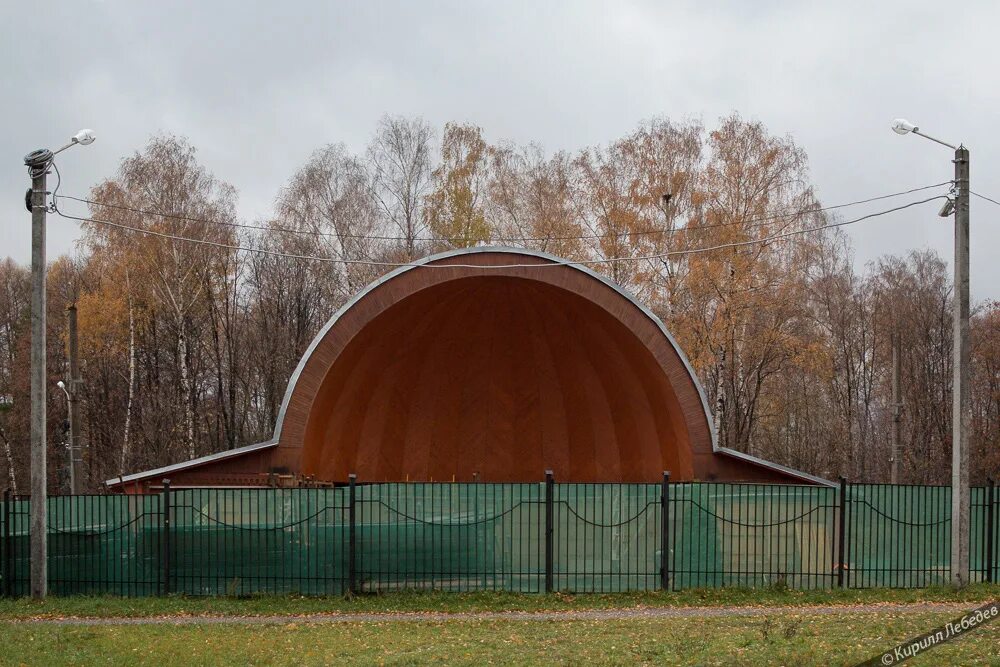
(256, 87)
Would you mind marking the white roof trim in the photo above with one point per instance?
(743, 456)
(191, 463)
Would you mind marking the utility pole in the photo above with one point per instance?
(75, 383)
(38, 165)
(897, 409)
(961, 416)
(961, 403)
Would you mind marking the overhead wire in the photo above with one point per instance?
(994, 201)
(612, 260)
(749, 222)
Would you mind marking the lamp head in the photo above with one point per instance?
(84, 137)
(61, 384)
(947, 208)
(903, 126)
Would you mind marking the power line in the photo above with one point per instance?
(365, 262)
(994, 201)
(287, 230)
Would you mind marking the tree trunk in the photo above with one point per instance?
(126, 444)
(10, 463)
(720, 401)
(182, 351)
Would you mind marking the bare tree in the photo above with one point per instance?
(14, 310)
(331, 198)
(399, 160)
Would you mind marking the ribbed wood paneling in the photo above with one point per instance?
(497, 375)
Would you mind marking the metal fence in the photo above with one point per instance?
(752, 535)
(530, 537)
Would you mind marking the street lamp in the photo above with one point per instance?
(961, 412)
(903, 126)
(71, 447)
(38, 164)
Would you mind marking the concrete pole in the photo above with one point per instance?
(39, 474)
(75, 388)
(961, 418)
(897, 409)
(69, 448)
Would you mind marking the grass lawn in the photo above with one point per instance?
(104, 607)
(786, 638)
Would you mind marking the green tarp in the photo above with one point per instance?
(605, 537)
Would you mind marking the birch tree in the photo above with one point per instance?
(399, 161)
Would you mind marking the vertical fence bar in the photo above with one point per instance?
(833, 536)
(990, 493)
(8, 561)
(842, 535)
(165, 538)
(664, 528)
(549, 529)
(351, 514)
(673, 529)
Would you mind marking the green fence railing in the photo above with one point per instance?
(530, 537)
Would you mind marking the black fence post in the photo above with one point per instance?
(166, 537)
(8, 546)
(842, 536)
(549, 529)
(664, 528)
(990, 519)
(351, 513)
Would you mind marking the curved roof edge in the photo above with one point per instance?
(552, 259)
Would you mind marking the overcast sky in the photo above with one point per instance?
(256, 87)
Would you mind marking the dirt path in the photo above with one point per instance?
(587, 615)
